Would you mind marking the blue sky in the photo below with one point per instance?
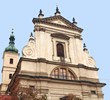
(91, 15)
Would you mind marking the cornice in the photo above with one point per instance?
(50, 62)
(58, 63)
(78, 37)
(50, 79)
(60, 35)
(39, 28)
(57, 80)
(47, 21)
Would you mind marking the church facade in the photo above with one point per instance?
(55, 62)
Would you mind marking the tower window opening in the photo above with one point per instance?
(11, 61)
(10, 76)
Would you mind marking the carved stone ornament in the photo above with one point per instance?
(61, 36)
(49, 20)
(90, 61)
(28, 51)
(78, 37)
(39, 28)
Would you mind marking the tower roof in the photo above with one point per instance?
(11, 47)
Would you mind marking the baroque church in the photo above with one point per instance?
(54, 62)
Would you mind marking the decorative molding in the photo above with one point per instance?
(81, 81)
(17, 76)
(28, 51)
(49, 19)
(58, 63)
(78, 37)
(90, 61)
(39, 28)
(61, 36)
(89, 79)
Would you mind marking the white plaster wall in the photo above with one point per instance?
(45, 45)
(48, 46)
(8, 68)
(6, 59)
(28, 66)
(60, 89)
(37, 68)
(72, 50)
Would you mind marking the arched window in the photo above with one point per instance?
(60, 50)
(70, 76)
(63, 73)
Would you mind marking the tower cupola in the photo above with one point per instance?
(11, 47)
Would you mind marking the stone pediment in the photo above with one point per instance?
(57, 21)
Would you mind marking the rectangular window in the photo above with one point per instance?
(10, 76)
(93, 92)
(32, 87)
(11, 61)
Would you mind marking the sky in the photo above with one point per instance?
(91, 15)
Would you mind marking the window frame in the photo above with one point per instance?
(65, 44)
(11, 60)
(10, 76)
(93, 92)
(64, 76)
(63, 50)
(32, 86)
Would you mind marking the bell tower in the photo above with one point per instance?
(10, 60)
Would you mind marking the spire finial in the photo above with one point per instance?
(56, 5)
(12, 30)
(40, 14)
(85, 49)
(57, 10)
(73, 19)
(74, 22)
(40, 11)
(84, 45)
(31, 36)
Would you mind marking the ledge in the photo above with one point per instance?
(58, 63)
(55, 79)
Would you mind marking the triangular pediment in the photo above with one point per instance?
(58, 20)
